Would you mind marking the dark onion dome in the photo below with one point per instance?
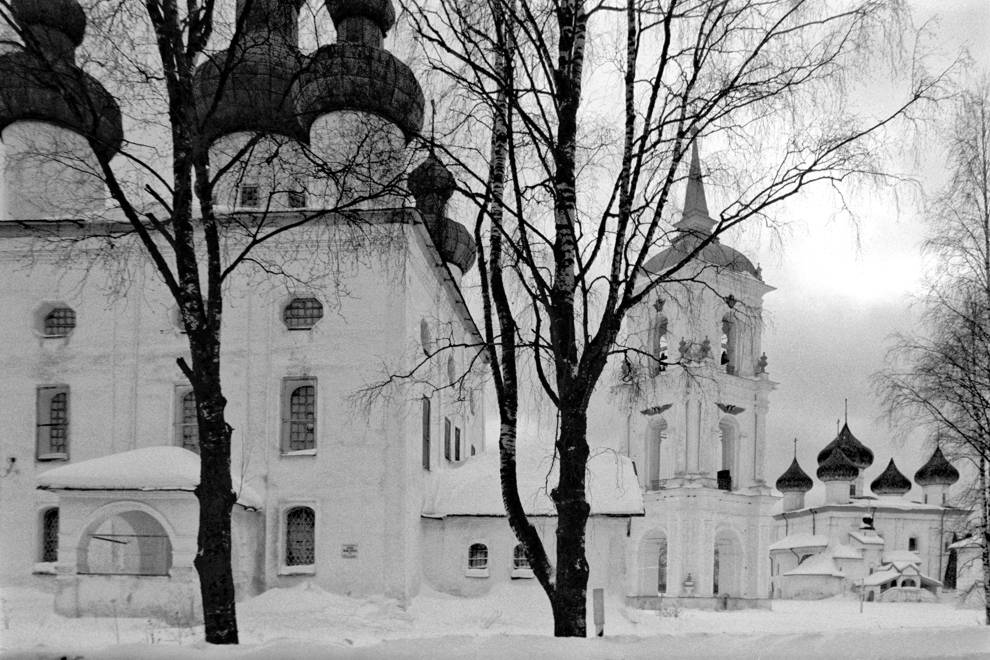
(357, 74)
(891, 482)
(432, 184)
(794, 480)
(937, 471)
(837, 467)
(856, 451)
(715, 253)
(259, 89)
(42, 82)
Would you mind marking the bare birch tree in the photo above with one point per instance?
(941, 380)
(591, 109)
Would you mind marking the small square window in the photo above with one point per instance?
(52, 423)
(297, 199)
(60, 322)
(249, 196)
(302, 313)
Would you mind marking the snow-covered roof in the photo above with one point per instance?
(820, 564)
(901, 557)
(880, 577)
(473, 488)
(843, 551)
(792, 541)
(867, 539)
(147, 469)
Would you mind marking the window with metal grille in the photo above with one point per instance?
(426, 433)
(447, 449)
(302, 313)
(519, 559)
(249, 196)
(478, 556)
(300, 539)
(187, 426)
(60, 322)
(49, 536)
(53, 422)
(457, 443)
(299, 415)
(297, 199)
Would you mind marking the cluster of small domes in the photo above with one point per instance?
(844, 457)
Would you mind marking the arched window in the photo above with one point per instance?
(728, 357)
(300, 537)
(653, 561)
(656, 453)
(519, 559)
(478, 557)
(60, 322)
(299, 414)
(49, 535)
(725, 454)
(52, 432)
(302, 313)
(188, 425)
(660, 345)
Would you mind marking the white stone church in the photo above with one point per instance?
(362, 495)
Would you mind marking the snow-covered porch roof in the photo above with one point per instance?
(148, 469)
(474, 489)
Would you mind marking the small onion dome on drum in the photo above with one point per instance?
(432, 184)
(259, 87)
(357, 74)
(937, 471)
(47, 85)
(794, 480)
(891, 482)
(855, 451)
(837, 467)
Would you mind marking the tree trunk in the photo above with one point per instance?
(985, 550)
(570, 595)
(216, 500)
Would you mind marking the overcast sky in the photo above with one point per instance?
(843, 289)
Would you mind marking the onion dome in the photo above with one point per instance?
(891, 482)
(937, 471)
(694, 227)
(794, 480)
(855, 451)
(357, 74)
(41, 82)
(432, 184)
(258, 73)
(837, 467)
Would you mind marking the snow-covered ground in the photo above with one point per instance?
(513, 621)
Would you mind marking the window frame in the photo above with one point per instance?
(520, 572)
(46, 558)
(285, 568)
(180, 422)
(44, 398)
(476, 571)
(69, 326)
(301, 328)
(457, 444)
(447, 449)
(242, 188)
(289, 386)
(426, 411)
(296, 199)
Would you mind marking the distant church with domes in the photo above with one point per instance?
(877, 541)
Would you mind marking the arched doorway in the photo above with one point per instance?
(727, 564)
(127, 543)
(653, 564)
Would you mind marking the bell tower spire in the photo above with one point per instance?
(695, 219)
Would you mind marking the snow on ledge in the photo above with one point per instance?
(800, 541)
(473, 488)
(147, 469)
